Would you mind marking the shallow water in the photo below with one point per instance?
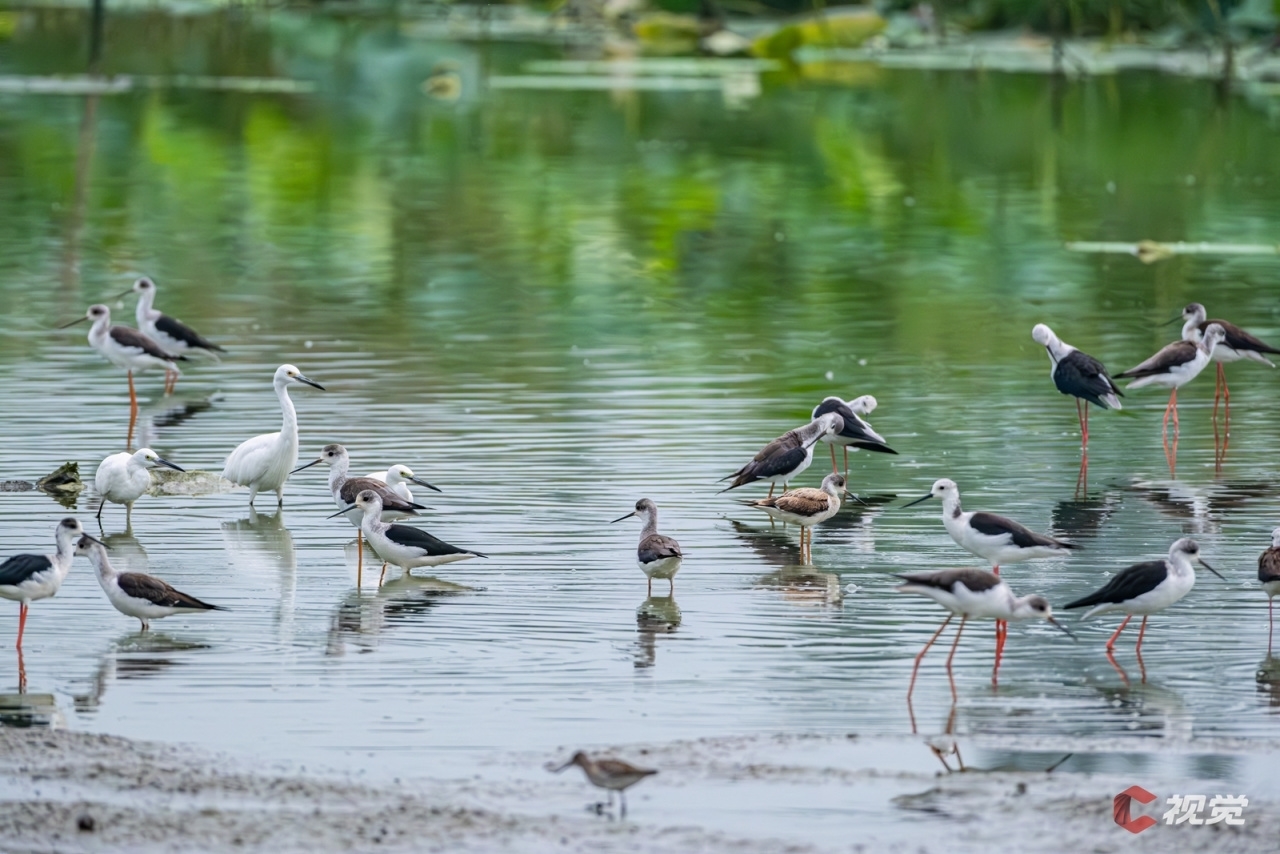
(553, 303)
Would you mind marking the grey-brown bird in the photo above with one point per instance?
(658, 555)
(612, 775)
(1269, 577)
(806, 507)
(786, 456)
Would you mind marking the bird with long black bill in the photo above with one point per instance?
(344, 490)
(264, 462)
(657, 555)
(405, 546)
(136, 594)
(1079, 375)
(786, 456)
(971, 594)
(612, 775)
(1236, 345)
(997, 539)
(126, 348)
(1146, 588)
(855, 433)
(169, 332)
(124, 478)
(1174, 366)
(27, 578)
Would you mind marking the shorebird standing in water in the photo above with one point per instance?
(1236, 344)
(26, 578)
(123, 478)
(1079, 375)
(612, 775)
(971, 594)
(997, 539)
(402, 545)
(855, 433)
(658, 556)
(264, 462)
(136, 594)
(126, 348)
(1269, 577)
(1145, 588)
(1173, 367)
(786, 456)
(806, 507)
(169, 332)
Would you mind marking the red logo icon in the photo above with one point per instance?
(1121, 809)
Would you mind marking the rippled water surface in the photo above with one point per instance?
(551, 304)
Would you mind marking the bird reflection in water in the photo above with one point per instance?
(136, 655)
(165, 415)
(127, 554)
(261, 544)
(360, 618)
(1201, 508)
(657, 615)
(797, 581)
(24, 711)
(1083, 516)
(1268, 678)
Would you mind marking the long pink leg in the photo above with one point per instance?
(920, 655)
(22, 623)
(1271, 621)
(950, 676)
(1141, 632)
(833, 459)
(1111, 644)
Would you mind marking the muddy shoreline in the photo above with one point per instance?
(67, 791)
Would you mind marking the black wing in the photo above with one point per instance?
(1170, 356)
(179, 331)
(1083, 376)
(657, 547)
(1238, 339)
(417, 538)
(353, 486)
(1269, 565)
(781, 461)
(1127, 584)
(993, 526)
(19, 568)
(128, 337)
(976, 580)
(158, 592)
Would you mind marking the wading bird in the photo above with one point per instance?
(26, 578)
(657, 555)
(264, 462)
(1079, 375)
(135, 594)
(786, 456)
(169, 332)
(123, 478)
(855, 433)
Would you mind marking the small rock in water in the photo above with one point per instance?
(66, 478)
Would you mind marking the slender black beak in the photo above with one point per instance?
(342, 512)
(80, 319)
(1060, 627)
(123, 295)
(619, 519)
(855, 498)
(300, 378)
(570, 762)
(816, 440)
(917, 501)
(93, 539)
(1211, 569)
(1172, 321)
(160, 461)
(307, 466)
(422, 482)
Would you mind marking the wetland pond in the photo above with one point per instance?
(553, 301)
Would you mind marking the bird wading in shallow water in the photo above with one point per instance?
(612, 775)
(1145, 588)
(1079, 375)
(1269, 578)
(264, 462)
(135, 594)
(997, 539)
(658, 556)
(169, 332)
(806, 507)
(124, 478)
(26, 578)
(786, 456)
(126, 348)
(855, 432)
(402, 545)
